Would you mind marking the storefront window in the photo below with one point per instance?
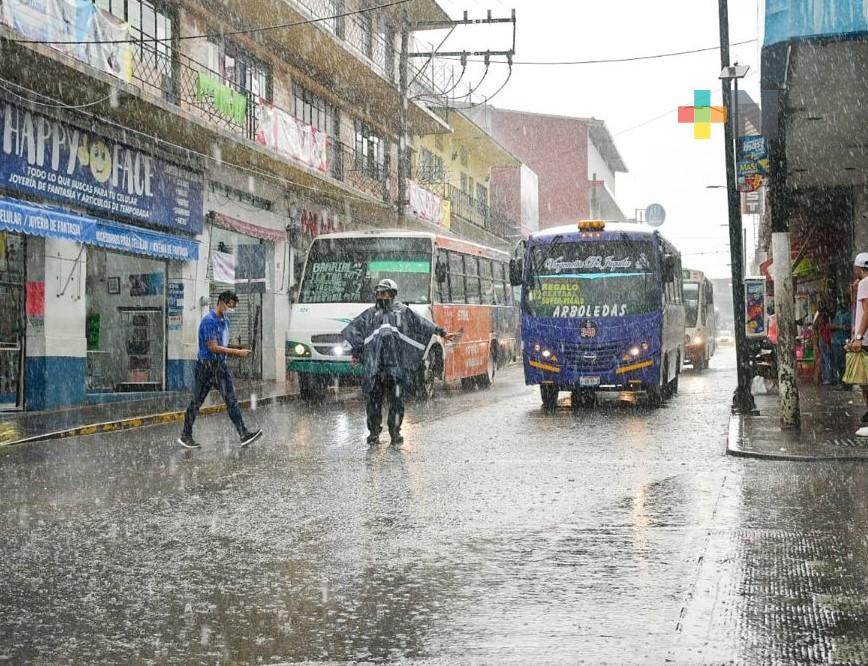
(126, 322)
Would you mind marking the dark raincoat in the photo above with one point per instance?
(392, 341)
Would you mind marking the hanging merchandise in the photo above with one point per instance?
(223, 267)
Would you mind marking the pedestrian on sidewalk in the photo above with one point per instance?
(822, 335)
(213, 372)
(842, 325)
(391, 340)
(860, 327)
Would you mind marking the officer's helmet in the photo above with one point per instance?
(387, 285)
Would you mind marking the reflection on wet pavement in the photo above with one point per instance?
(497, 533)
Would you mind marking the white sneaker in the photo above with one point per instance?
(862, 432)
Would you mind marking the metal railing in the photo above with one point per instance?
(479, 213)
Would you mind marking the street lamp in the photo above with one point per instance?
(742, 400)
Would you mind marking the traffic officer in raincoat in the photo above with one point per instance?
(391, 339)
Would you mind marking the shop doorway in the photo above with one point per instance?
(237, 263)
(13, 321)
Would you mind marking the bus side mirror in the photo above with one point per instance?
(668, 268)
(440, 272)
(516, 268)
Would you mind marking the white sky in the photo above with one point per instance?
(666, 164)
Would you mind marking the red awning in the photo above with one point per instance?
(232, 224)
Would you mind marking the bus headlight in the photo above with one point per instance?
(698, 340)
(635, 351)
(297, 349)
(546, 353)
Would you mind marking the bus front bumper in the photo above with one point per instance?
(317, 367)
(627, 376)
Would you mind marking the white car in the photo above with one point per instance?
(725, 337)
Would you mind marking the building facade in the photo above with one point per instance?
(575, 159)
(155, 153)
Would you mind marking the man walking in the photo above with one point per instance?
(212, 371)
(842, 325)
(860, 323)
(392, 340)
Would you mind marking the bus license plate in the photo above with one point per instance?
(589, 381)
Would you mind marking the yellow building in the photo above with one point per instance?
(458, 167)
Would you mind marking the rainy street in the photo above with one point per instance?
(496, 533)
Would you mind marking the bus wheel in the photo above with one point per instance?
(657, 394)
(424, 385)
(485, 380)
(549, 395)
(312, 388)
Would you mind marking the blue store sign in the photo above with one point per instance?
(54, 160)
(19, 217)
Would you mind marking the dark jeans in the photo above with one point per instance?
(213, 374)
(384, 387)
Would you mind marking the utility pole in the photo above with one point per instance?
(742, 400)
(404, 133)
(405, 82)
(782, 271)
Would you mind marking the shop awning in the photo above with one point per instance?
(245, 228)
(35, 220)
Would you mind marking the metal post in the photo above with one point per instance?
(404, 133)
(782, 269)
(742, 400)
(594, 197)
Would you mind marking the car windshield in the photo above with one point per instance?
(346, 270)
(592, 279)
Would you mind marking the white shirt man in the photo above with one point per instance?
(860, 323)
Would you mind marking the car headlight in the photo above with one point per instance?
(297, 349)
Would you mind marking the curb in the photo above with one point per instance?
(133, 422)
(734, 449)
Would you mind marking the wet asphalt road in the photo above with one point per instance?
(497, 534)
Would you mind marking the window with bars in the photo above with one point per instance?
(313, 110)
(369, 151)
(238, 67)
(467, 184)
(152, 25)
(430, 167)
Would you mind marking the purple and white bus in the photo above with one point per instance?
(602, 309)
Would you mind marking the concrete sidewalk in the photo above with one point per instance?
(829, 420)
(22, 427)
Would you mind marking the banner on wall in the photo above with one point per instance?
(175, 306)
(54, 160)
(427, 205)
(284, 133)
(223, 267)
(48, 222)
(102, 39)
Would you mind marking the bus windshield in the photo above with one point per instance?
(691, 304)
(346, 270)
(592, 279)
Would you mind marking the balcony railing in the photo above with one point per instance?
(205, 93)
(478, 213)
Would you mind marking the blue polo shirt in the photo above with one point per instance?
(212, 327)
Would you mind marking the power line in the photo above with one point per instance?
(244, 31)
(601, 61)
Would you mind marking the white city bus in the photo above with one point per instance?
(461, 286)
(700, 336)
